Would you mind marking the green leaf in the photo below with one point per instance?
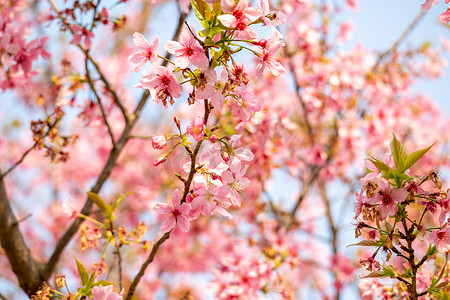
(84, 276)
(399, 153)
(200, 7)
(431, 250)
(380, 165)
(389, 271)
(99, 202)
(375, 274)
(102, 282)
(366, 243)
(414, 157)
(90, 283)
(119, 200)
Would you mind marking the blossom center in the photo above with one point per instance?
(189, 51)
(386, 198)
(442, 235)
(238, 14)
(176, 213)
(149, 54)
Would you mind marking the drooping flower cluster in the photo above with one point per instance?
(414, 236)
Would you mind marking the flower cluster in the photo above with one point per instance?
(403, 215)
(16, 53)
(216, 176)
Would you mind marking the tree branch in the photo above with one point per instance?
(19, 256)
(18, 162)
(100, 104)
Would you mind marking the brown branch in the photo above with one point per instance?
(315, 171)
(18, 162)
(19, 256)
(302, 102)
(166, 236)
(147, 262)
(100, 104)
(400, 39)
(107, 85)
(97, 67)
(333, 229)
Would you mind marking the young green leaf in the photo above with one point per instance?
(380, 165)
(375, 274)
(366, 243)
(84, 276)
(119, 200)
(399, 153)
(102, 282)
(415, 156)
(99, 202)
(200, 7)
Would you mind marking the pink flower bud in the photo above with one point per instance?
(177, 121)
(212, 139)
(160, 160)
(159, 141)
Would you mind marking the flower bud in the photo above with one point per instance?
(159, 142)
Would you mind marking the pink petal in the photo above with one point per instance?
(176, 198)
(185, 208)
(172, 46)
(162, 208)
(228, 20)
(399, 195)
(140, 41)
(168, 224)
(184, 223)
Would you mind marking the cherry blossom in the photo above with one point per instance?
(187, 51)
(101, 292)
(147, 51)
(441, 238)
(267, 61)
(196, 128)
(177, 215)
(162, 85)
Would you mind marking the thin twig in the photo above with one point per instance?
(100, 104)
(401, 38)
(140, 137)
(147, 262)
(97, 67)
(333, 229)
(18, 162)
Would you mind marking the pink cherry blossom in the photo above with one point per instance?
(441, 238)
(80, 33)
(162, 85)
(271, 18)
(147, 51)
(101, 292)
(175, 215)
(234, 184)
(187, 51)
(267, 60)
(211, 199)
(388, 198)
(196, 128)
(239, 16)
